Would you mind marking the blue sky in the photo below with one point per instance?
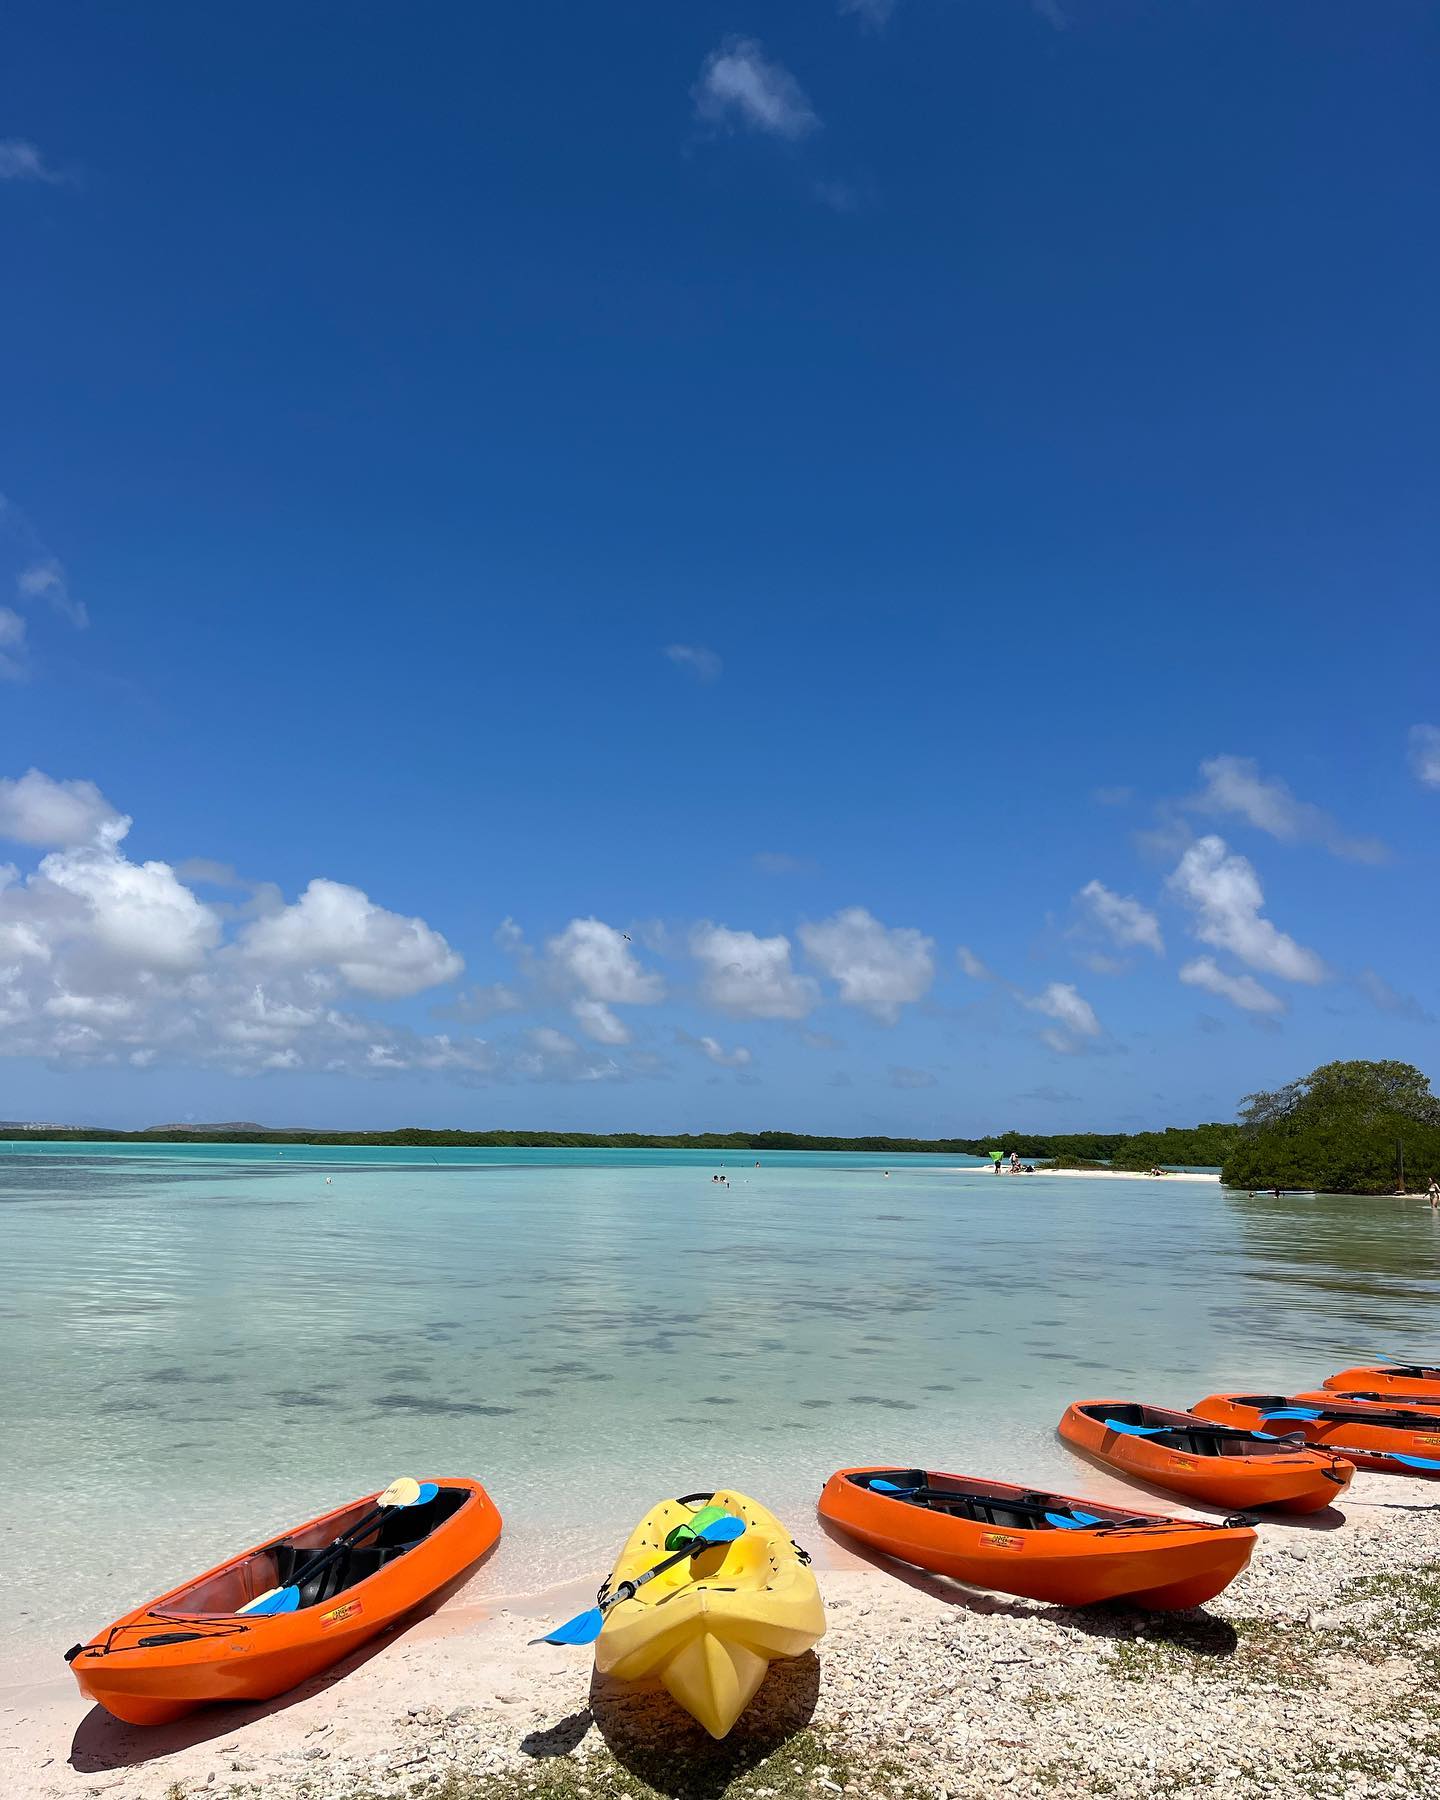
(597, 548)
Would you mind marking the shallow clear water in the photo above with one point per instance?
(198, 1349)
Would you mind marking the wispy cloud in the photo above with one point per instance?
(741, 87)
(874, 13)
(1235, 786)
(971, 964)
(1243, 991)
(45, 580)
(38, 577)
(1072, 1013)
(780, 862)
(20, 160)
(1052, 13)
(843, 196)
(714, 1051)
(702, 662)
(1121, 918)
(903, 1077)
(12, 645)
(1387, 999)
(1425, 754)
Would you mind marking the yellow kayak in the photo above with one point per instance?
(710, 1627)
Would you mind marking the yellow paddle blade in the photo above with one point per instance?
(403, 1492)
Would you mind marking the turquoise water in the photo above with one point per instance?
(200, 1347)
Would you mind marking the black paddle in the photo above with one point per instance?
(404, 1492)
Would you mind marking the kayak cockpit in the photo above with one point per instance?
(1178, 1431)
(1015, 1510)
(226, 1590)
(1397, 1417)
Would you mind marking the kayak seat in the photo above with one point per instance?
(356, 1566)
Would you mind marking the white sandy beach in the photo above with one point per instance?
(938, 1687)
(1090, 1174)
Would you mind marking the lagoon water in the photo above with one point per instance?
(200, 1346)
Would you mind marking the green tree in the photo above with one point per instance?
(1342, 1129)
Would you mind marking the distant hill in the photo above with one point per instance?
(246, 1125)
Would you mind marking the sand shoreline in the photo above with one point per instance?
(1090, 1174)
(922, 1685)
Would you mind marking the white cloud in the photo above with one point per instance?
(1234, 785)
(1243, 991)
(698, 658)
(20, 160)
(597, 1021)
(740, 85)
(879, 968)
(972, 965)
(1061, 1002)
(45, 580)
(750, 976)
(140, 913)
(599, 960)
(1224, 892)
(1124, 920)
(374, 951)
(715, 1051)
(36, 809)
(1425, 754)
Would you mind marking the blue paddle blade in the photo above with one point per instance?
(428, 1491)
(724, 1531)
(1414, 1462)
(283, 1600)
(1071, 1521)
(584, 1628)
(1293, 1412)
(889, 1487)
(1135, 1430)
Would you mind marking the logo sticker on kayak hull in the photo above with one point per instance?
(339, 1613)
(1001, 1540)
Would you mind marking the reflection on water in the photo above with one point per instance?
(195, 1352)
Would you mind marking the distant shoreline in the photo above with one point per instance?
(1202, 1145)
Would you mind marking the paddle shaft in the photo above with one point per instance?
(345, 1542)
(1035, 1510)
(627, 1590)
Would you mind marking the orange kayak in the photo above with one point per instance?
(1395, 1381)
(1214, 1465)
(189, 1647)
(1366, 1433)
(993, 1534)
